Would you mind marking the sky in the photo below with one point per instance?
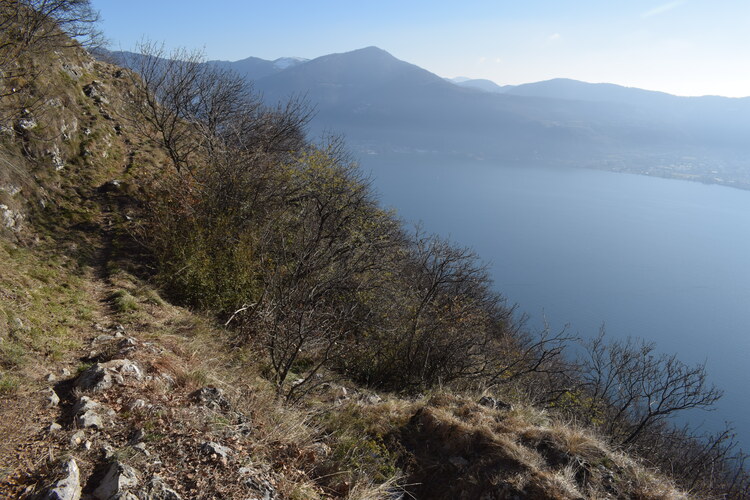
(684, 47)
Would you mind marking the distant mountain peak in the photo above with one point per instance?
(288, 62)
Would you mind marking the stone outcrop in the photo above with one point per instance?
(119, 479)
(69, 487)
(102, 376)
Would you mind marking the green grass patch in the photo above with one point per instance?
(43, 305)
(123, 302)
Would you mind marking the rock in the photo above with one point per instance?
(371, 399)
(89, 419)
(77, 438)
(212, 448)
(95, 379)
(64, 372)
(102, 339)
(54, 427)
(341, 393)
(142, 448)
(53, 398)
(10, 219)
(137, 436)
(68, 488)
(50, 377)
(94, 91)
(107, 451)
(125, 495)
(86, 412)
(27, 124)
(138, 403)
(494, 403)
(126, 345)
(261, 486)
(57, 160)
(158, 490)
(84, 404)
(118, 479)
(211, 397)
(102, 376)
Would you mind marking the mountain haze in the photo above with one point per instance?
(479, 84)
(387, 106)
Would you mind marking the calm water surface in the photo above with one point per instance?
(661, 259)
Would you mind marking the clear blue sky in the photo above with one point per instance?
(685, 47)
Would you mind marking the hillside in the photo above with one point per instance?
(198, 302)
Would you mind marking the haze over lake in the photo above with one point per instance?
(661, 259)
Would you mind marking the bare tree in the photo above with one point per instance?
(28, 27)
(321, 257)
(633, 388)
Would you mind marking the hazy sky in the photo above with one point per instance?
(685, 47)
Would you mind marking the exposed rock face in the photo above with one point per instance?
(116, 482)
(10, 219)
(87, 413)
(211, 397)
(254, 480)
(68, 488)
(102, 376)
(53, 398)
(211, 448)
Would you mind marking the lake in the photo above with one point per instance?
(661, 259)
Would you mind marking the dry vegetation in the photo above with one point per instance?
(351, 352)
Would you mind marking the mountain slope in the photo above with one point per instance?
(480, 84)
(109, 390)
(385, 105)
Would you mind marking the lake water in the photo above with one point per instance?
(661, 259)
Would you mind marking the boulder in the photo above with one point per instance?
(116, 482)
(213, 448)
(69, 487)
(85, 404)
(102, 376)
(52, 398)
(90, 419)
(77, 438)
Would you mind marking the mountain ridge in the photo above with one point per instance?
(389, 106)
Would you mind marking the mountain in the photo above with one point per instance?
(250, 68)
(110, 388)
(387, 106)
(253, 68)
(479, 84)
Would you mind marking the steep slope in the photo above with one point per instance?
(108, 390)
